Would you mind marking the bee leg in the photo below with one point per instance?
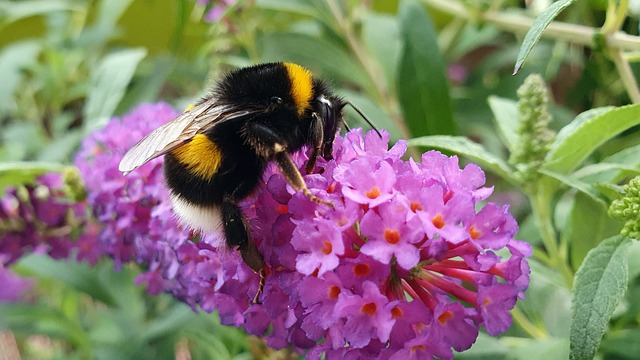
(293, 176)
(317, 137)
(263, 275)
(269, 145)
(236, 231)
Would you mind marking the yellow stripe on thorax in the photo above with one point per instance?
(200, 155)
(301, 86)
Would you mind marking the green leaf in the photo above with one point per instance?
(148, 88)
(109, 83)
(31, 319)
(170, 321)
(12, 139)
(576, 141)
(625, 344)
(548, 301)
(210, 347)
(536, 349)
(24, 172)
(485, 347)
(14, 58)
(613, 168)
(380, 119)
(577, 184)
(506, 116)
(628, 155)
(319, 55)
(633, 254)
(467, 148)
(15, 10)
(423, 89)
(609, 191)
(599, 285)
(604, 170)
(535, 31)
(588, 224)
(110, 11)
(293, 6)
(61, 148)
(381, 35)
(72, 273)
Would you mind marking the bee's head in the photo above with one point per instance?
(329, 109)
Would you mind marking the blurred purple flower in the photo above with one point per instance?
(402, 265)
(13, 287)
(215, 8)
(457, 73)
(38, 217)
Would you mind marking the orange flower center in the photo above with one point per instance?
(442, 319)
(438, 221)
(415, 206)
(369, 309)
(326, 248)
(396, 312)
(282, 209)
(392, 236)
(373, 193)
(361, 269)
(475, 233)
(333, 292)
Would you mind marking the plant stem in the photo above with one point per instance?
(520, 24)
(541, 209)
(526, 325)
(626, 74)
(616, 13)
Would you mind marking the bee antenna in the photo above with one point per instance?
(357, 109)
(346, 126)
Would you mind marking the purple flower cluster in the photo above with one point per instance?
(38, 217)
(402, 265)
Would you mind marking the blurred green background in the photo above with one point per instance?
(417, 68)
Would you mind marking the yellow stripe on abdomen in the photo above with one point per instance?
(301, 86)
(200, 155)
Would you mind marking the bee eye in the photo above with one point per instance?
(276, 100)
(331, 123)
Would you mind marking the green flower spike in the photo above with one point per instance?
(533, 131)
(628, 208)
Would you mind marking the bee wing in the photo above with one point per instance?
(180, 130)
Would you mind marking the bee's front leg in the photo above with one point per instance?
(270, 145)
(293, 176)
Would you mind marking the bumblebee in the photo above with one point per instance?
(217, 150)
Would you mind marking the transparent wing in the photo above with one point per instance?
(179, 130)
